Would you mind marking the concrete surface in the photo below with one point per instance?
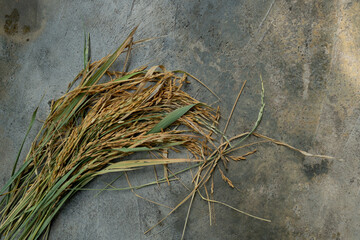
(308, 54)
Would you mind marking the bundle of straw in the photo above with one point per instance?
(91, 130)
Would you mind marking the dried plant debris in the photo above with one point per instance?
(92, 128)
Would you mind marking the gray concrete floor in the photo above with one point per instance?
(308, 54)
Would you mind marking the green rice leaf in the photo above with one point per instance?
(136, 149)
(86, 51)
(47, 221)
(23, 142)
(96, 77)
(170, 118)
(11, 180)
(126, 77)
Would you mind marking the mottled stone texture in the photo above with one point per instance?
(308, 54)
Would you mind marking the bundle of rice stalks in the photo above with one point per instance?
(91, 130)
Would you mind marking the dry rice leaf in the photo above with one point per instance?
(293, 148)
(148, 162)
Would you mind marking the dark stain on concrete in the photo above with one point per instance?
(313, 170)
(21, 20)
(336, 236)
(26, 29)
(11, 25)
